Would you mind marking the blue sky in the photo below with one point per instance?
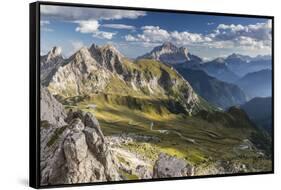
(137, 32)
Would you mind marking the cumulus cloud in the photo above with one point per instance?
(259, 31)
(103, 35)
(155, 34)
(85, 13)
(130, 38)
(87, 26)
(92, 27)
(254, 36)
(257, 35)
(119, 26)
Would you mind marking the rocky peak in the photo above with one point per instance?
(185, 51)
(220, 60)
(165, 48)
(108, 48)
(172, 55)
(168, 46)
(235, 57)
(83, 61)
(112, 49)
(51, 59)
(107, 56)
(49, 63)
(54, 53)
(84, 51)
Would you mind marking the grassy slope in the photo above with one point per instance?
(213, 141)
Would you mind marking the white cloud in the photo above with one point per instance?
(188, 37)
(119, 26)
(85, 13)
(154, 34)
(255, 36)
(87, 26)
(44, 22)
(131, 38)
(103, 35)
(258, 31)
(92, 27)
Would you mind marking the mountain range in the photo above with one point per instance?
(104, 69)
(106, 117)
(227, 68)
(237, 70)
(217, 81)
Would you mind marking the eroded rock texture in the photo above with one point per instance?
(74, 150)
(168, 166)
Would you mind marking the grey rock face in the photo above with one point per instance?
(49, 64)
(169, 166)
(51, 110)
(143, 172)
(75, 152)
(81, 74)
(109, 57)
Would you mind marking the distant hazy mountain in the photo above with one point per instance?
(172, 55)
(228, 69)
(242, 65)
(217, 92)
(218, 68)
(257, 84)
(49, 64)
(260, 111)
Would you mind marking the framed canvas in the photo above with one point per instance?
(122, 94)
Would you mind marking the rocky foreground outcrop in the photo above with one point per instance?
(168, 166)
(75, 152)
(52, 111)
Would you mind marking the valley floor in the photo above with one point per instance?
(137, 138)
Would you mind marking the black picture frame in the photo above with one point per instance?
(34, 92)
